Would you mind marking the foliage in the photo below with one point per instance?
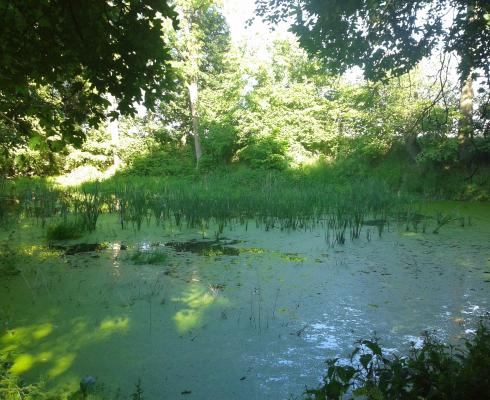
(64, 230)
(202, 41)
(25, 161)
(278, 112)
(266, 153)
(12, 388)
(386, 37)
(283, 98)
(432, 371)
(59, 60)
(219, 144)
(96, 151)
(163, 161)
(151, 257)
(199, 50)
(438, 151)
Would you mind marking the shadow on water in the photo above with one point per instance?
(78, 248)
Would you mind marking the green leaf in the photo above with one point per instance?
(365, 359)
(35, 142)
(373, 346)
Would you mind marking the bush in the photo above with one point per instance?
(265, 153)
(163, 162)
(438, 151)
(433, 371)
(218, 144)
(25, 161)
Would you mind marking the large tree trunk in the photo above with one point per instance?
(465, 126)
(192, 87)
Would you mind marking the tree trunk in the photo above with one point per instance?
(412, 146)
(465, 126)
(113, 129)
(193, 89)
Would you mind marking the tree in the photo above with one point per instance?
(200, 46)
(387, 38)
(60, 58)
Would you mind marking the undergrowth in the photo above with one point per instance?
(433, 371)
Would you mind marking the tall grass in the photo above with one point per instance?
(273, 201)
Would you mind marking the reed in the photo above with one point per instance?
(214, 202)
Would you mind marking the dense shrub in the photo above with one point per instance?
(24, 161)
(218, 144)
(266, 153)
(163, 162)
(438, 151)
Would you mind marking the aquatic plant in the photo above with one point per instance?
(12, 387)
(152, 257)
(137, 206)
(65, 230)
(40, 202)
(8, 261)
(88, 207)
(212, 204)
(441, 220)
(138, 391)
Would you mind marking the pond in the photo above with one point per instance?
(251, 316)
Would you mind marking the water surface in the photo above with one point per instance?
(253, 316)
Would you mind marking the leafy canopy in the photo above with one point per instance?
(387, 36)
(76, 52)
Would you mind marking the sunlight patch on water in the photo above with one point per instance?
(111, 325)
(27, 334)
(62, 364)
(196, 300)
(23, 363)
(43, 331)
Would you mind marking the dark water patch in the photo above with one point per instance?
(207, 247)
(73, 249)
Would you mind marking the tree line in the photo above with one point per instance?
(63, 62)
